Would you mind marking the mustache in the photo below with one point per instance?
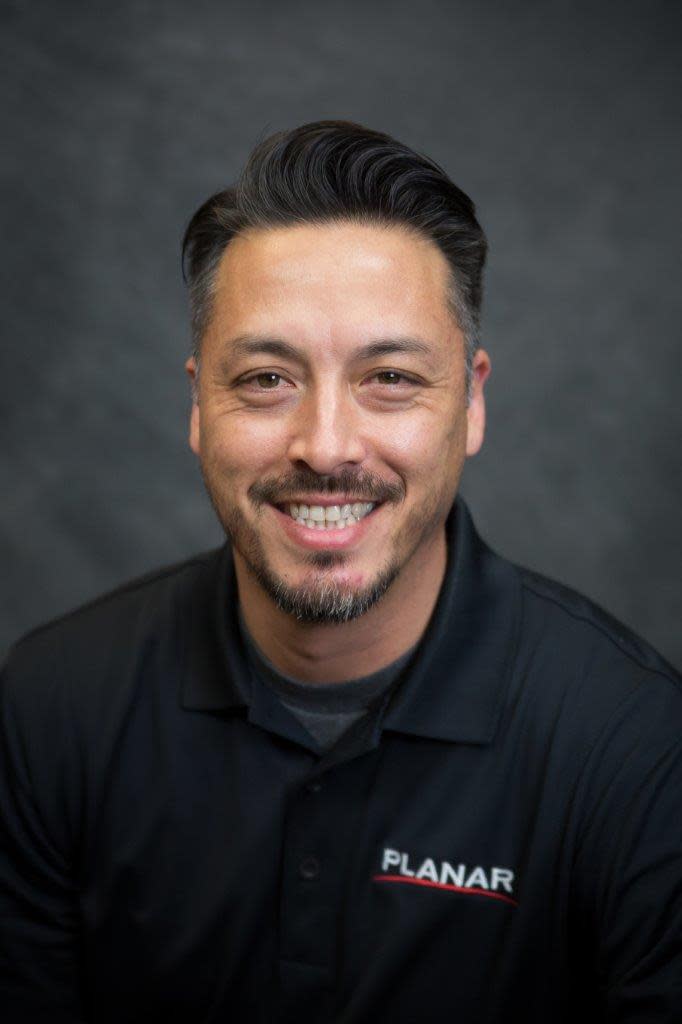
(364, 485)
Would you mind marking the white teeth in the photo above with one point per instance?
(330, 517)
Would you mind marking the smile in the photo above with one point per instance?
(328, 517)
(318, 529)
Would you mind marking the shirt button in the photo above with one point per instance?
(309, 868)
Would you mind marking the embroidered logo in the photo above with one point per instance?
(472, 880)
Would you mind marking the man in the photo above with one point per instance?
(353, 766)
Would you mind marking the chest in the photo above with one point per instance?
(417, 874)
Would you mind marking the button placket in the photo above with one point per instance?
(310, 873)
(320, 818)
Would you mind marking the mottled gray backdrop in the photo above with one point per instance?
(562, 122)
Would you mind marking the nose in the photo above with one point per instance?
(326, 431)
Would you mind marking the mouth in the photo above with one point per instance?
(327, 516)
(330, 527)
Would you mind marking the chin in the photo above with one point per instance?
(322, 597)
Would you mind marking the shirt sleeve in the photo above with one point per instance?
(39, 921)
(629, 862)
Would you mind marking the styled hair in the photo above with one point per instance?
(331, 171)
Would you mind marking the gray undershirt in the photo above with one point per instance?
(325, 710)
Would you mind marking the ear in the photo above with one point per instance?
(195, 416)
(480, 372)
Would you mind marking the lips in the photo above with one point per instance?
(318, 536)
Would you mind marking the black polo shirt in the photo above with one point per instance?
(500, 839)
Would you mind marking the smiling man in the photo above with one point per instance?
(332, 423)
(353, 766)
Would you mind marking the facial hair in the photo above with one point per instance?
(320, 599)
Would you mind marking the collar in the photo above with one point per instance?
(454, 686)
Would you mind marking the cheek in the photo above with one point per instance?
(240, 445)
(420, 447)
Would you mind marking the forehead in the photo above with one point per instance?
(332, 277)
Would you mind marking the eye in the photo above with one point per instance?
(268, 381)
(264, 381)
(393, 379)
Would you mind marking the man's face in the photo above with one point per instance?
(332, 374)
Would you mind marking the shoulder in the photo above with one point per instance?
(104, 637)
(575, 617)
(72, 688)
(587, 671)
(132, 599)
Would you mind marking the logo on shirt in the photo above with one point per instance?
(470, 879)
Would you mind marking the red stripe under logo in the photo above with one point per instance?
(447, 888)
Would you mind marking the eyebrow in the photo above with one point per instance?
(247, 344)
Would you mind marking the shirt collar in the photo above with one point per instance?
(453, 688)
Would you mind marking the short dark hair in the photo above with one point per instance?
(330, 171)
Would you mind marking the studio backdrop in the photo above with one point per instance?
(560, 120)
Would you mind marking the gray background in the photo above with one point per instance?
(560, 120)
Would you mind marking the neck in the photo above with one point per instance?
(330, 653)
